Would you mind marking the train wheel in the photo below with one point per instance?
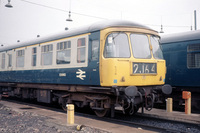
(64, 107)
(102, 113)
(64, 104)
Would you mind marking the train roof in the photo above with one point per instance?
(77, 31)
(180, 37)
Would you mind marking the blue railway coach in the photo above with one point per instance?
(182, 54)
(104, 65)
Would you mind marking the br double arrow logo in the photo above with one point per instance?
(80, 74)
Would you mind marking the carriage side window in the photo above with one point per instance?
(193, 56)
(9, 60)
(20, 58)
(3, 61)
(95, 49)
(63, 52)
(117, 46)
(81, 44)
(34, 56)
(140, 46)
(47, 55)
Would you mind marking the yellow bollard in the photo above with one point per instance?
(169, 104)
(70, 114)
(187, 96)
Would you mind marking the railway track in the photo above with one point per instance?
(136, 121)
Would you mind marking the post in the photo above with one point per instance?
(169, 104)
(70, 114)
(195, 20)
(187, 96)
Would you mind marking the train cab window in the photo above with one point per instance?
(9, 60)
(140, 46)
(157, 52)
(20, 58)
(81, 44)
(47, 55)
(95, 50)
(34, 56)
(117, 46)
(3, 61)
(63, 52)
(193, 56)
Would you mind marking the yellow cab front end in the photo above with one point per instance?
(132, 64)
(131, 57)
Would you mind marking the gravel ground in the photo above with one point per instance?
(26, 122)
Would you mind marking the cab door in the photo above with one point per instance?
(93, 62)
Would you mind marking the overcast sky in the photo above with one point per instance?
(29, 18)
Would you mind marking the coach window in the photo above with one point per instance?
(81, 50)
(9, 60)
(95, 49)
(34, 56)
(140, 46)
(193, 56)
(3, 61)
(20, 58)
(47, 55)
(63, 52)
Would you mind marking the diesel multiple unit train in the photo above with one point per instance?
(104, 65)
(182, 54)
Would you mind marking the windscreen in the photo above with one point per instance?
(140, 46)
(117, 46)
(157, 52)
